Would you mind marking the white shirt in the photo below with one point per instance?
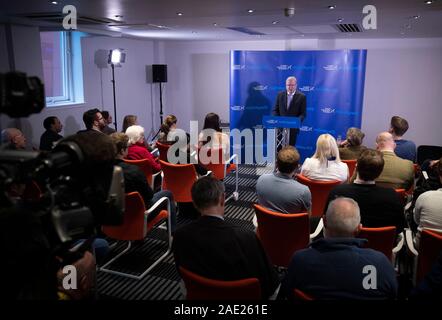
(428, 212)
(334, 170)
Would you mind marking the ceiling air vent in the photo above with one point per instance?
(58, 18)
(246, 31)
(348, 27)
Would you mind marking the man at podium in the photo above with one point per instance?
(291, 103)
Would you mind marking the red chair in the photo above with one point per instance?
(319, 190)
(214, 161)
(430, 246)
(163, 149)
(351, 167)
(282, 234)
(300, 295)
(145, 166)
(382, 239)
(136, 227)
(201, 288)
(32, 192)
(179, 178)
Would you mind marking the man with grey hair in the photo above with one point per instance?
(13, 139)
(291, 103)
(337, 266)
(398, 173)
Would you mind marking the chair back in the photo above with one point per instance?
(380, 239)
(163, 148)
(428, 152)
(430, 246)
(319, 190)
(145, 166)
(282, 234)
(301, 295)
(179, 178)
(351, 166)
(201, 288)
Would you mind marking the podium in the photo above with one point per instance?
(283, 124)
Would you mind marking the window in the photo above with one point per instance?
(63, 78)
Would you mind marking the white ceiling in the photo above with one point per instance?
(158, 19)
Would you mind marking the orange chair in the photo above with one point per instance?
(145, 166)
(430, 246)
(163, 149)
(179, 178)
(32, 192)
(282, 234)
(201, 288)
(319, 190)
(351, 166)
(220, 167)
(382, 239)
(300, 295)
(135, 227)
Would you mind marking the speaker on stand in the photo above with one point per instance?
(159, 75)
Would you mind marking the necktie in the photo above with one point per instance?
(289, 100)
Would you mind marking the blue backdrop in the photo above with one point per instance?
(333, 82)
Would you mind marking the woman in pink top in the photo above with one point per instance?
(137, 149)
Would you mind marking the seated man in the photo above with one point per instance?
(216, 249)
(135, 180)
(48, 139)
(108, 121)
(336, 266)
(428, 209)
(93, 120)
(405, 149)
(13, 139)
(397, 173)
(379, 206)
(279, 191)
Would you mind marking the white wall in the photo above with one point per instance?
(403, 77)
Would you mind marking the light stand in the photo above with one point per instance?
(116, 57)
(161, 104)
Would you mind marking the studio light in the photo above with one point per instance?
(116, 58)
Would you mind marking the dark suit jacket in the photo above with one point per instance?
(216, 249)
(297, 108)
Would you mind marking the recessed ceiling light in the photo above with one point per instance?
(332, 7)
(416, 17)
(429, 2)
(340, 20)
(179, 14)
(275, 22)
(250, 11)
(215, 24)
(54, 2)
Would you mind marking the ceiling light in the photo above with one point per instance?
(54, 2)
(250, 11)
(179, 14)
(416, 17)
(275, 22)
(215, 24)
(340, 20)
(429, 2)
(332, 7)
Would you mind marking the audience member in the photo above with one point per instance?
(325, 163)
(337, 266)
(93, 120)
(168, 126)
(278, 191)
(217, 249)
(137, 148)
(129, 120)
(13, 139)
(405, 149)
(108, 121)
(428, 209)
(397, 173)
(212, 134)
(48, 139)
(135, 180)
(379, 206)
(351, 148)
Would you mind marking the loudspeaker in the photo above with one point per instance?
(159, 73)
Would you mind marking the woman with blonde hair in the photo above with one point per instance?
(351, 148)
(325, 163)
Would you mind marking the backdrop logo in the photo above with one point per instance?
(306, 128)
(272, 121)
(284, 67)
(237, 108)
(239, 66)
(347, 113)
(307, 88)
(319, 130)
(260, 88)
(328, 110)
(331, 67)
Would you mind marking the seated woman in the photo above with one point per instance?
(129, 120)
(325, 163)
(351, 148)
(137, 149)
(212, 134)
(167, 128)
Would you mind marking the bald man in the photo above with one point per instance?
(13, 139)
(335, 267)
(397, 173)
